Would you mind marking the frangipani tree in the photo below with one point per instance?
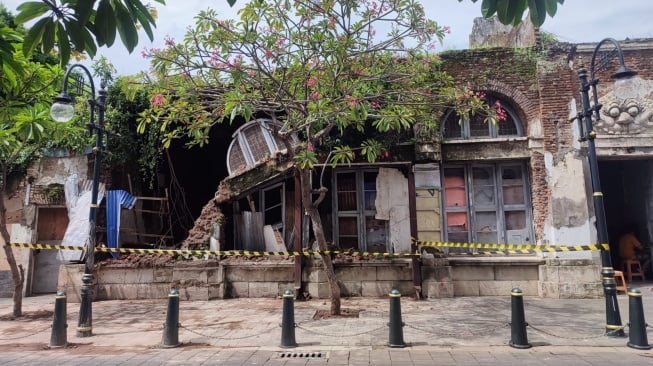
(317, 67)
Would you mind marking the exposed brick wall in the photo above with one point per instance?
(541, 87)
(513, 76)
(540, 194)
(510, 74)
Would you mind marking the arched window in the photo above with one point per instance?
(475, 127)
(253, 142)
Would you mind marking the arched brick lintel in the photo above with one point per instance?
(519, 102)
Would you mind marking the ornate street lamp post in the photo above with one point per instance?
(587, 133)
(63, 111)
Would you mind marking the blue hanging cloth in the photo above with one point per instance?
(116, 199)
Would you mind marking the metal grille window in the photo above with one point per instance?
(487, 203)
(475, 127)
(354, 215)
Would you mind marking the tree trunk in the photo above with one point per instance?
(318, 230)
(16, 272)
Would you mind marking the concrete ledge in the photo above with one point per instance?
(439, 274)
(448, 277)
(319, 290)
(503, 288)
(435, 289)
(495, 261)
(469, 273)
(351, 288)
(554, 290)
(466, 288)
(383, 288)
(263, 289)
(495, 276)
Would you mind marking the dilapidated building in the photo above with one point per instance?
(522, 181)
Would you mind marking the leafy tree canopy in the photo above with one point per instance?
(314, 65)
(512, 11)
(319, 69)
(82, 26)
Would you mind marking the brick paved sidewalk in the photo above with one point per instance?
(454, 331)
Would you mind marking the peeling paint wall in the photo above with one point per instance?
(428, 207)
(570, 222)
(392, 205)
(428, 214)
(22, 217)
(56, 170)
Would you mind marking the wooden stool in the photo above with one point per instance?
(633, 269)
(620, 281)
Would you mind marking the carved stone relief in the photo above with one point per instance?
(630, 115)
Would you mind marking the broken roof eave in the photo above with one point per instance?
(242, 183)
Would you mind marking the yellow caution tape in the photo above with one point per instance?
(248, 253)
(491, 249)
(45, 246)
(515, 247)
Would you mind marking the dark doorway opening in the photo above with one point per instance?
(628, 200)
(197, 172)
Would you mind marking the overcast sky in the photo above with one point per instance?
(576, 21)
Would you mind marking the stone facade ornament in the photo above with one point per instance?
(630, 115)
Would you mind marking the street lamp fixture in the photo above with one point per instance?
(585, 126)
(63, 111)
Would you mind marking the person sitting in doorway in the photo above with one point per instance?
(630, 248)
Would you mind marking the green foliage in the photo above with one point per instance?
(512, 11)
(372, 149)
(74, 26)
(306, 158)
(342, 155)
(138, 154)
(25, 123)
(10, 67)
(319, 68)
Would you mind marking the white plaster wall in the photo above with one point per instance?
(392, 204)
(649, 209)
(56, 170)
(20, 234)
(569, 222)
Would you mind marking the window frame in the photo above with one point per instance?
(493, 129)
(471, 208)
(361, 213)
(260, 206)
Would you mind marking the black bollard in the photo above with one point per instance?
(518, 338)
(85, 323)
(171, 326)
(58, 338)
(396, 339)
(637, 324)
(613, 326)
(288, 321)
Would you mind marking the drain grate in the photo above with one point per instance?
(287, 355)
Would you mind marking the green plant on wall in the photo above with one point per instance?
(54, 193)
(131, 152)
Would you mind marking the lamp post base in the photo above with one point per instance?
(85, 324)
(613, 326)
